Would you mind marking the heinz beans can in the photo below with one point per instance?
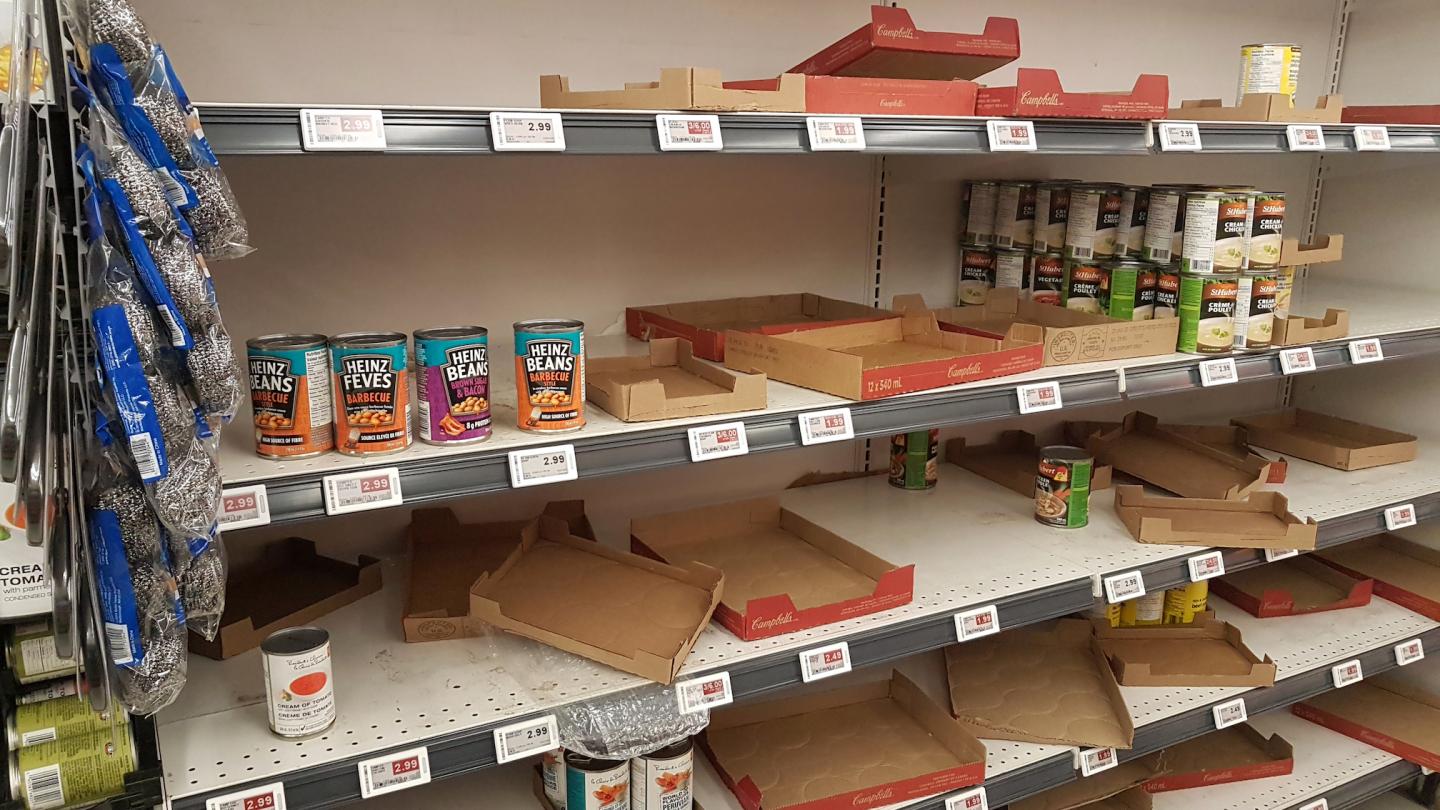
(299, 686)
(372, 393)
(550, 375)
(290, 395)
(452, 384)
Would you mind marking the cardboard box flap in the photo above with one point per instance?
(1012, 462)
(891, 45)
(1383, 711)
(756, 312)
(1261, 520)
(1206, 653)
(1392, 114)
(1297, 330)
(1261, 107)
(1329, 440)
(1085, 792)
(1231, 754)
(1325, 248)
(1142, 448)
(1404, 572)
(670, 384)
(688, 88)
(867, 95)
(1294, 586)
(1228, 439)
(1038, 92)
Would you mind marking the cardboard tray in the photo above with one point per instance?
(877, 359)
(1325, 249)
(1048, 683)
(1234, 754)
(1261, 520)
(1406, 573)
(1175, 463)
(892, 46)
(803, 752)
(782, 572)
(1328, 440)
(1119, 788)
(1012, 462)
(669, 384)
(856, 95)
(289, 585)
(1227, 439)
(1209, 653)
(1392, 114)
(704, 323)
(1385, 712)
(1298, 330)
(1291, 588)
(687, 88)
(1037, 93)
(1261, 107)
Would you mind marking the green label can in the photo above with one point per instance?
(73, 771)
(1207, 313)
(1167, 292)
(30, 652)
(35, 723)
(1130, 294)
(1085, 286)
(914, 459)
(1062, 487)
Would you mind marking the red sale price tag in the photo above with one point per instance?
(342, 130)
(1206, 566)
(1400, 517)
(819, 427)
(1368, 350)
(1372, 138)
(976, 623)
(1305, 138)
(1318, 804)
(972, 799)
(705, 692)
(1347, 673)
(265, 797)
(1011, 136)
(392, 772)
(825, 662)
(362, 490)
(1409, 652)
(242, 507)
(709, 442)
(834, 134)
(1037, 397)
(1095, 760)
(1296, 361)
(1273, 554)
(689, 133)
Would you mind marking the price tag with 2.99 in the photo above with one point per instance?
(242, 507)
(542, 465)
(527, 132)
(362, 491)
(392, 772)
(525, 738)
(265, 797)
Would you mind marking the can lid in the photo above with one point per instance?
(349, 339)
(672, 750)
(585, 762)
(548, 325)
(294, 640)
(443, 332)
(297, 341)
(1065, 452)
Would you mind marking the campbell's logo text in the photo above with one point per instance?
(903, 32)
(1040, 99)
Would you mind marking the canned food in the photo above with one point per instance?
(1047, 274)
(1085, 284)
(1217, 229)
(596, 784)
(290, 395)
(372, 393)
(31, 656)
(452, 384)
(552, 776)
(1052, 215)
(550, 375)
(1167, 292)
(50, 690)
(1184, 603)
(35, 723)
(1015, 215)
(1164, 225)
(661, 780)
(1207, 313)
(1105, 611)
(1267, 231)
(1012, 268)
(73, 771)
(914, 459)
(981, 200)
(1284, 287)
(1144, 610)
(299, 685)
(1254, 312)
(1250, 195)
(1134, 214)
(1062, 487)
(977, 275)
(1129, 290)
(1269, 67)
(1094, 222)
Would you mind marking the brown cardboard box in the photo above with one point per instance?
(892, 45)
(1385, 712)
(782, 572)
(1116, 789)
(1012, 462)
(704, 323)
(1327, 248)
(1291, 588)
(1328, 440)
(1261, 520)
(1298, 330)
(1406, 573)
(689, 88)
(289, 585)
(907, 747)
(1209, 653)
(669, 384)
(1046, 683)
(1142, 448)
(1227, 439)
(1261, 107)
(1038, 93)
(1233, 754)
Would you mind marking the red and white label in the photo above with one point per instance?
(1368, 350)
(1037, 397)
(265, 797)
(825, 662)
(1318, 804)
(836, 134)
(362, 491)
(522, 739)
(1206, 566)
(243, 507)
(1095, 760)
(972, 799)
(1273, 554)
(976, 623)
(689, 133)
(542, 465)
(527, 132)
(1297, 361)
(1400, 516)
(706, 692)
(1305, 137)
(342, 130)
(1011, 136)
(1120, 587)
(1409, 652)
(392, 772)
(709, 442)
(1229, 713)
(1179, 137)
(1372, 138)
(1218, 372)
(819, 427)
(1347, 673)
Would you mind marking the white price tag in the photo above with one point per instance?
(1218, 372)
(832, 134)
(242, 507)
(1347, 673)
(527, 132)
(1273, 554)
(975, 623)
(1011, 136)
(1179, 137)
(706, 692)
(1372, 138)
(265, 797)
(1121, 587)
(362, 491)
(1305, 137)
(1229, 713)
(523, 739)
(1037, 397)
(1318, 804)
(689, 133)
(1368, 350)
(709, 442)
(1206, 566)
(819, 427)
(825, 662)
(1297, 361)
(1409, 652)
(1399, 517)
(972, 799)
(542, 465)
(394, 772)
(342, 130)
(1095, 760)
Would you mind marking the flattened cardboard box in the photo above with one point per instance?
(857, 95)
(1262, 520)
(1406, 573)
(909, 748)
(1328, 440)
(1292, 587)
(1227, 439)
(1299, 330)
(688, 88)
(1037, 93)
(704, 323)
(782, 572)
(891, 45)
(1261, 107)
(1385, 712)
(1392, 114)
(1142, 448)
(1210, 653)
(1047, 683)
(1234, 754)
(1013, 462)
(669, 384)
(1119, 788)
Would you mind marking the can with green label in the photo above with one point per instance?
(1062, 487)
(73, 771)
(1207, 313)
(914, 459)
(35, 723)
(1130, 291)
(31, 656)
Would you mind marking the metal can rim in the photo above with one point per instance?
(450, 332)
(282, 340)
(548, 325)
(358, 340)
(1065, 452)
(314, 638)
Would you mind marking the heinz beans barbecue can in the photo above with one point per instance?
(550, 375)
(290, 395)
(372, 393)
(452, 384)
(299, 686)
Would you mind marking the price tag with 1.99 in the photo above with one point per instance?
(542, 465)
(1218, 372)
(1296, 361)
(835, 134)
(342, 130)
(394, 772)
(527, 132)
(1011, 136)
(523, 739)
(362, 491)
(825, 662)
(972, 799)
(265, 797)
(1120, 587)
(689, 133)
(1346, 673)
(242, 507)
(705, 692)
(1305, 137)
(1273, 554)
(1229, 713)
(1179, 137)
(975, 623)
(819, 427)
(1400, 517)
(1037, 397)
(1095, 760)
(1409, 652)
(1368, 350)
(1206, 566)
(1318, 804)
(709, 442)
(1372, 138)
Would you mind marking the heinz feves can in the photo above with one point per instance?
(550, 375)
(372, 392)
(290, 395)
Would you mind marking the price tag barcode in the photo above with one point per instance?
(362, 491)
(972, 799)
(242, 507)
(1346, 673)
(527, 132)
(1229, 713)
(689, 133)
(1011, 136)
(1400, 517)
(1318, 804)
(1218, 372)
(1095, 760)
(819, 427)
(832, 134)
(1179, 137)
(265, 797)
(1305, 137)
(1296, 361)
(1037, 397)
(392, 772)
(1372, 138)
(1121, 587)
(523, 739)
(709, 442)
(706, 692)
(1206, 566)
(825, 662)
(542, 465)
(342, 130)
(975, 623)
(1273, 554)
(1366, 351)
(1409, 652)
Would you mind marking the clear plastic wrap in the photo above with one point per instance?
(200, 567)
(210, 359)
(114, 22)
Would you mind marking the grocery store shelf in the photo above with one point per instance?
(1239, 137)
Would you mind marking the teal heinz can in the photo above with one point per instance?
(372, 392)
(452, 384)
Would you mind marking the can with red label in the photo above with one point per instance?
(299, 684)
(1047, 278)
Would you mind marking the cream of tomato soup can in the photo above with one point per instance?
(299, 682)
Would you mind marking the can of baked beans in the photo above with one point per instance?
(372, 392)
(290, 395)
(1217, 231)
(1167, 291)
(1086, 285)
(1269, 67)
(1134, 214)
(981, 199)
(299, 684)
(1255, 311)
(1267, 231)
(914, 459)
(550, 375)
(1207, 313)
(452, 384)
(1052, 214)
(1062, 487)
(1094, 221)
(1015, 215)
(1047, 277)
